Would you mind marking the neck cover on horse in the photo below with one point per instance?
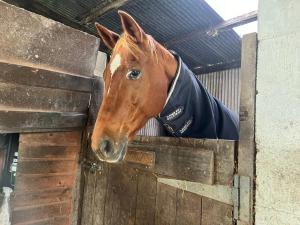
(190, 111)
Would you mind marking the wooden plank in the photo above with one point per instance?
(247, 106)
(32, 214)
(65, 220)
(51, 139)
(140, 157)
(120, 206)
(100, 196)
(24, 75)
(100, 10)
(24, 98)
(146, 199)
(88, 197)
(246, 149)
(216, 213)
(216, 162)
(165, 205)
(18, 121)
(40, 197)
(47, 167)
(47, 152)
(31, 183)
(225, 25)
(44, 43)
(188, 208)
(180, 162)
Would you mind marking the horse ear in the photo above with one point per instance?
(109, 37)
(131, 27)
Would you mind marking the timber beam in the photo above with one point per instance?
(213, 31)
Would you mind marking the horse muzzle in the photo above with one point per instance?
(111, 151)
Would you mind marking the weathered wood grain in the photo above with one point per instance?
(188, 208)
(88, 197)
(41, 99)
(201, 160)
(30, 39)
(47, 167)
(48, 152)
(24, 75)
(146, 199)
(63, 220)
(165, 205)
(18, 121)
(216, 213)
(100, 196)
(45, 178)
(32, 183)
(120, 206)
(246, 149)
(69, 139)
(145, 158)
(41, 197)
(40, 212)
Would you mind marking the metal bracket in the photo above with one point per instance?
(92, 166)
(241, 196)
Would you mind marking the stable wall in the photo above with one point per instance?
(277, 114)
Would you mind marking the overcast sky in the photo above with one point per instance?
(233, 8)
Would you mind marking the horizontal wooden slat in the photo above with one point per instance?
(28, 38)
(17, 121)
(40, 197)
(48, 152)
(140, 157)
(179, 162)
(23, 75)
(42, 99)
(64, 220)
(31, 183)
(51, 139)
(183, 158)
(46, 167)
(40, 212)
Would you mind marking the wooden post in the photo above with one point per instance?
(246, 150)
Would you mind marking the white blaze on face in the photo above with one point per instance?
(115, 63)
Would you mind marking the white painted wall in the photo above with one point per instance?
(278, 113)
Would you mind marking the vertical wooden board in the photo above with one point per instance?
(216, 213)
(88, 198)
(165, 205)
(120, 205)
(247, 106)
(100, 196)
(188, 208)
(246, 150)
(146, 199)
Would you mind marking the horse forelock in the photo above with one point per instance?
(129, 44)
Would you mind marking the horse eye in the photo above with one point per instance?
(133, 74)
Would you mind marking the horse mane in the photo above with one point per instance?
(127, 42)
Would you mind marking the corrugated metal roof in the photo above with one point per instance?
(164, 20)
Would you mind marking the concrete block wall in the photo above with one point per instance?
(278, 113)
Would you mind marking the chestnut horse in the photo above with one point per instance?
(136, 86)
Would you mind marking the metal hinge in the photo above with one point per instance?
(241, 196)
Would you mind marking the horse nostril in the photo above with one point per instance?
(106, 146)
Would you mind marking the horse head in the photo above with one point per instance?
(136, 82)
